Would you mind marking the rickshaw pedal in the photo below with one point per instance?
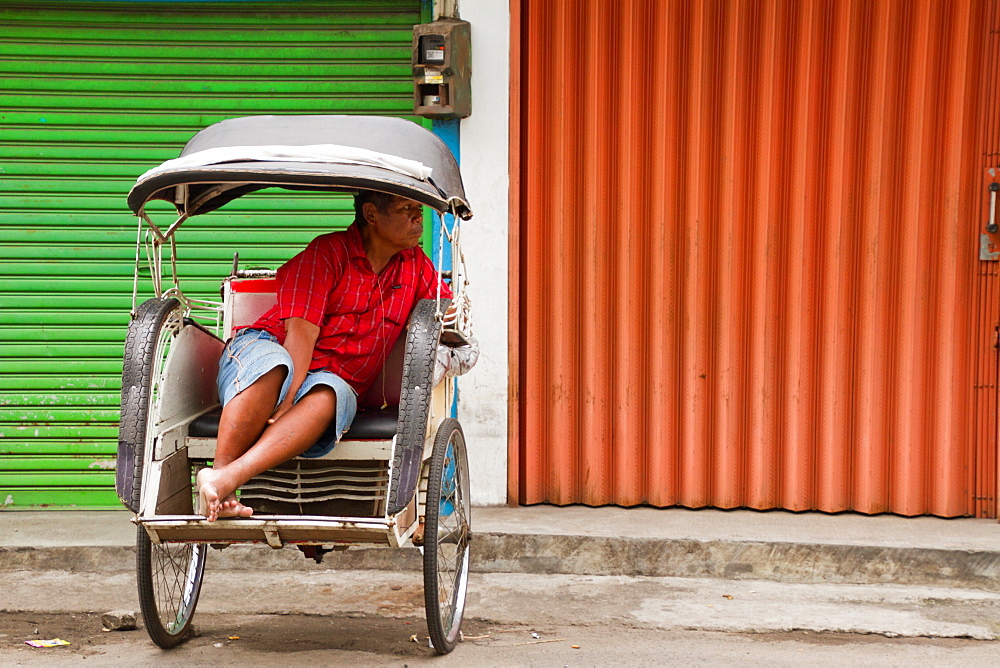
(418, 534)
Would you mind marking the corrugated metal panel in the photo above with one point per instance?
(92, 95)
(987, 293)
(749, 238)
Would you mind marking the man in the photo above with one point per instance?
(342, 303)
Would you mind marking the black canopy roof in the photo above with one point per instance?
(226, 177)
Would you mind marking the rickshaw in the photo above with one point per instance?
(398, 477)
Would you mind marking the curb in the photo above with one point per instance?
(588, 555)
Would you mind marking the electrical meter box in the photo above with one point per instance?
(442, 69)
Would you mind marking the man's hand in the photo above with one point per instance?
(300, 339)
(280, 410)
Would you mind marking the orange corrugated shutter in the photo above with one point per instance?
(749, 241)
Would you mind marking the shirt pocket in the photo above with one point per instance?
(398, 303)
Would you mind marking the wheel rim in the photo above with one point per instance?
(452, 541)
(176, 570)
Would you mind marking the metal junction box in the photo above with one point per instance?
(442, 69)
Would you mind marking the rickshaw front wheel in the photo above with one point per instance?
(169, 577)
(447, 537)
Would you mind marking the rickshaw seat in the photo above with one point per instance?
(368, 425)
(371, 423)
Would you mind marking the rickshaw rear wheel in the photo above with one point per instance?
(447, 537)
(169, 577)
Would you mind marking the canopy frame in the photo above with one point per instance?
(284, 152)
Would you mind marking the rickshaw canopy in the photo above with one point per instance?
(340, 153)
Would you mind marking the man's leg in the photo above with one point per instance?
(245, 416)
(243, 420)
(291, 435)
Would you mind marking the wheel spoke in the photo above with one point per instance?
(174, 570)
(451, 538)
(172, 564)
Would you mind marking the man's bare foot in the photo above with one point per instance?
(231, 507)
(209, 499)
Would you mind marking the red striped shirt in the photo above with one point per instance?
(359, 314)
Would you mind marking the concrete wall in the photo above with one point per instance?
(484, 154)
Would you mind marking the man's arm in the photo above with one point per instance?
(300, 340)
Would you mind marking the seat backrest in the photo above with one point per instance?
(389, 384)
(244, 300)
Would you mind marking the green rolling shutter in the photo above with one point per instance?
(92, 94)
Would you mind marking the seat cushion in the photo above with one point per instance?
(368, 425)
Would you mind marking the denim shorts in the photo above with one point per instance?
(253, 352)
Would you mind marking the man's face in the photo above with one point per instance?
(401, 226)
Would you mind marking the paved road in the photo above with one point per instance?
(368, 618)
(302, 640)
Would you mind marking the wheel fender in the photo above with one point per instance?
(137, 369)
(422, 337)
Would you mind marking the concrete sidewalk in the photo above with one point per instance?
(737, 545)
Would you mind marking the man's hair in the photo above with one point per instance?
(381, 201)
